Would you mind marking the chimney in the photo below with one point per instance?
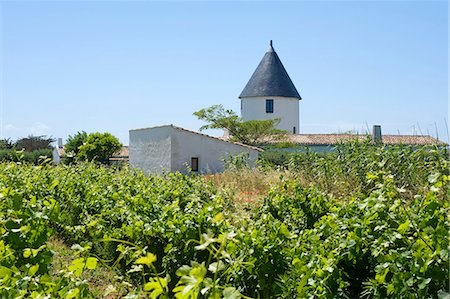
(376, 134)
(60, 145)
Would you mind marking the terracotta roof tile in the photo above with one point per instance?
(332, 139)
(122, 153)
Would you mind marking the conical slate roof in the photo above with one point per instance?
(270, 79)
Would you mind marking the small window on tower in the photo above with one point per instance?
(294, 130)
(194, 163)
(269, 106)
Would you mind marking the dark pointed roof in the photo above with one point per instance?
(270, 79)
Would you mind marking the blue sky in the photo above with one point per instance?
(111, 66)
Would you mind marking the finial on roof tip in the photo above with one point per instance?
(271, 47)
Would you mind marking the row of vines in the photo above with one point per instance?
(179, 236)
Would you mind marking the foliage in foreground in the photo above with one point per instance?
(177, 236)
(352, 169)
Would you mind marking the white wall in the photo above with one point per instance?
(56, 157)
(149, 149)
(210, 151)
(170, 148)
(287, 109)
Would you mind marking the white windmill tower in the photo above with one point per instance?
(270, 94)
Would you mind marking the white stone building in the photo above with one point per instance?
(171, 148)
(270, 94)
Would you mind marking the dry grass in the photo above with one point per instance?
(101, 280)
(248, 186)
(245, 181)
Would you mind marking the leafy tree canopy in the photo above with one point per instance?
(6, 144)
(74, 142)
(99, 147)
(33, 143)
(250, 132)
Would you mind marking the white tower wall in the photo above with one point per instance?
(284, 108)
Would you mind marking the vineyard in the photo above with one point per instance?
(361, 222)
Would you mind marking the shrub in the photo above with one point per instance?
(99, 147)
(34, 157)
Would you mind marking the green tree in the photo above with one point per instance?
(33, 143)
(99, 147)
(74, 142)
(250, 132)
(6, 144)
